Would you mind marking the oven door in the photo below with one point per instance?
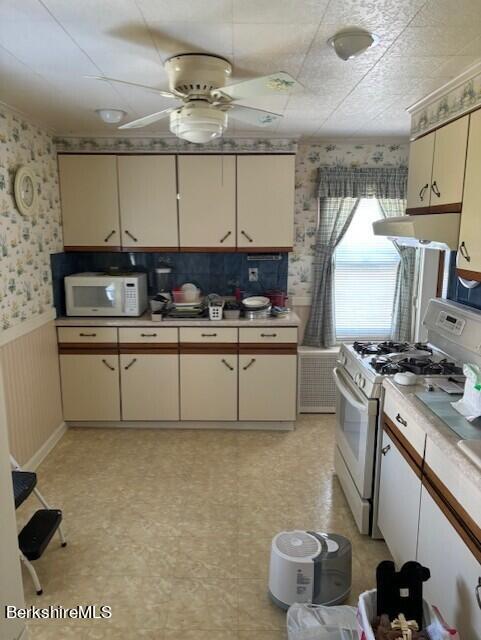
(98, 296)
(356, 423)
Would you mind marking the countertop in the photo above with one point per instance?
(441, 435)
(291, 320)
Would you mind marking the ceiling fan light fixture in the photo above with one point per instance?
(198, 123)
(352, 43)
(111, 116)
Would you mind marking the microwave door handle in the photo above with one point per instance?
(346, 392)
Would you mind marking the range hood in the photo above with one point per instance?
(431, 231)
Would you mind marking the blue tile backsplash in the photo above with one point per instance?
(459, 293)
(212, 272)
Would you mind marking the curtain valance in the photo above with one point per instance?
(362, 182)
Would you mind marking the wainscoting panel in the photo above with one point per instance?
(32, 391)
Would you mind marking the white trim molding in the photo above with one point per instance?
(452, 100)
(21, 329)
(40, 455)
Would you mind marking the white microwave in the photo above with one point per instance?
(100, 294)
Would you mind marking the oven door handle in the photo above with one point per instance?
(346, 392)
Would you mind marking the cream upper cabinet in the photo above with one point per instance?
(399, 499)
(208, 386)
(436, 169)
(90, 202)
(149, 386)
(148, 201)
(267, 387)
(265, 201)
(90, 386)
(207, 204)
(419, 172)
(449, 163)
(469, 253)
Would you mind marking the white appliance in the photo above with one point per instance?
(431, 231)
(453, 332)
(317, 391)
(101, 294)
(308, 566)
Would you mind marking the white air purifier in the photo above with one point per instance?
(309, 567)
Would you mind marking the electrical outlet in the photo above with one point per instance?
(253, 274)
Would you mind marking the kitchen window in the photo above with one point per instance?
(365, 270)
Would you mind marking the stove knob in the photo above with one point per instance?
(342, 359)
(361, 383)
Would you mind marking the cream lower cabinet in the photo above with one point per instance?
(455, 571)
(90, 386)
(208, 386)
(149, 384)
(267, 386)
(399, 498)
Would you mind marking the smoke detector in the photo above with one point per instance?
(352, 43)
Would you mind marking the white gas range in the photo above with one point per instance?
(454, 334)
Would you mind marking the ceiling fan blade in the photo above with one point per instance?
(146, 120)
(160, 92)
(274, 84)
(257, 117)
(154, 38)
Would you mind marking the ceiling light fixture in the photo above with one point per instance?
(198, 122)
(350, 44)
(111, 116)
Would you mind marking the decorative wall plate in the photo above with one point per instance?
(25, 189)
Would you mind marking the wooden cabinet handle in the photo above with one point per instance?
(109, 366)
(249, 364)
(148, 335)
(208, 335)
(385, 449)
(435, 190)
(225, 237)
(464, 252)
(423, 189)
(246, 235)
(107, 238)
(229, 366)
(401, 420)
(268, 335)
(132, 362)
(131, 235)
(88, 335)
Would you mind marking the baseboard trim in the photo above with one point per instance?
(21, 329)
(45, 449)
(186, 424)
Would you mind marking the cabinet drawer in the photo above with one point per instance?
(268, 335)
(87, 335)
(201, 335)
(405, 422)
(148, 335)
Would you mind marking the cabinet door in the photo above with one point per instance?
(455, 572)
(419, 173)
(90, 387)
(90, 202)
(265, 202)
(449, 163)
(267, 387)
(399, 497)
(469, 254)
(207, 201)
(149, 386)
(148, 202)
(208, 386)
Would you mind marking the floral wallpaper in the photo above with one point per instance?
(460, 99)
(26, 243)
(174, 145)
(309, 158)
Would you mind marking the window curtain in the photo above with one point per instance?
(339, 191)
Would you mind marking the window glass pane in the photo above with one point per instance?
(365, 278)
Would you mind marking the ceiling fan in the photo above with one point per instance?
(199, 81)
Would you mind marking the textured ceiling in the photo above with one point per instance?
(47, 46)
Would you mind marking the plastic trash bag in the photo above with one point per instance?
(317, 622)
(433, 621)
